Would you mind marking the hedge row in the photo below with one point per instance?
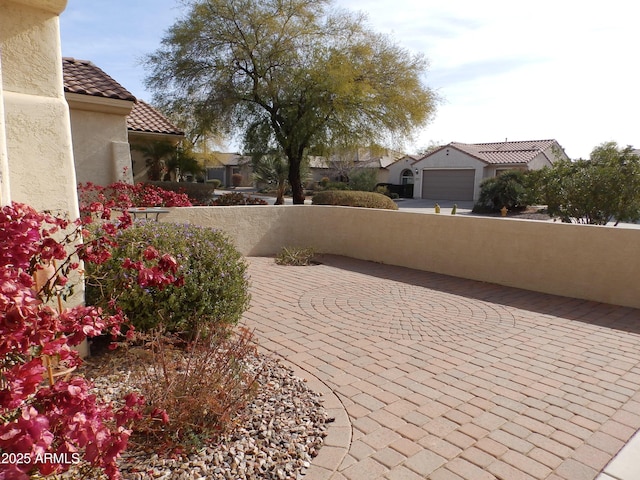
(348, 198)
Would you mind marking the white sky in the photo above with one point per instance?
(512, 70)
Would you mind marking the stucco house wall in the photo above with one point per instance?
(36, 156)
(448, 158)
(100, 138)
(37, 133)
(394, 171)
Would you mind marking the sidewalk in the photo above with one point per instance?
(444, 378)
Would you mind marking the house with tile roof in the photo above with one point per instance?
(106, 119)
(222, 166)
(340, 165)
(455, 171)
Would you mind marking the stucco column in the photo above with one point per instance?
(36, 132)
(5, 192)
(37, 129)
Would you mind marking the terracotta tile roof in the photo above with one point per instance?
(145, 118)
(83, 77)
(505, 152)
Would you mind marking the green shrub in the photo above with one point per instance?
(215, 182)
(198, 193)
(215, 290)
(506, 190)
(237, 198)
(354, 199)
(336, 186)
(363, 180)
(324, 181)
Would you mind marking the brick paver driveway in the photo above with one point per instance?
(445, 378)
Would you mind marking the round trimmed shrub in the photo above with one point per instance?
(354, 199)
(215, 290)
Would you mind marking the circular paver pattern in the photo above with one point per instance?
(408, 312)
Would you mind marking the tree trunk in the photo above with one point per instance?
(297, 190)
(280, 193)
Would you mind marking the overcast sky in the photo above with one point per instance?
(504, 69)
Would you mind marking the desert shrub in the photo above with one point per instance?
(336, 186)
(198, 193)
(297, 256)
(215, 182)
(237, 198)
(383, 190)
(236, 179)
(363, 180)
(506, 190)
(202, 385)
(214, 286)
(354, 199)
(597, 191)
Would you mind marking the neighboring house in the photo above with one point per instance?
(339, 166)
(400, 174)
(455, 171)
(222, 166)
(106, 119)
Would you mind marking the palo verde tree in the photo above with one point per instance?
(307, 73)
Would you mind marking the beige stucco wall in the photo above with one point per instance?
(580, 261)
(5, 193)
(36, 119)
(395, 170)
(100, 138)
(35, 132)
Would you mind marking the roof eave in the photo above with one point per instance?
(153, 135)
(94, 103)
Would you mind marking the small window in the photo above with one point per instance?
(406, 178)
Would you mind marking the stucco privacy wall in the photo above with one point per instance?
(37, 134)
(580, 261)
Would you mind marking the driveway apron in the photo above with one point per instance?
(446, 378)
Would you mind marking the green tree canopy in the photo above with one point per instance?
(306, 74)
(597, 191)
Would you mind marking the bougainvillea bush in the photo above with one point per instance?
(121, 195)
(214, 288)
(45, 426)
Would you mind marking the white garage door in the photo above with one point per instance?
(448, 184)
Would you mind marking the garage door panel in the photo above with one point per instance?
(448, 184)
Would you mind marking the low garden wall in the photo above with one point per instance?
(580, 261)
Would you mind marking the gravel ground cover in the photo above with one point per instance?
(280, 433)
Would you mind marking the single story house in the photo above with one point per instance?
(337, 167)
(106, 119)
(222, 166)
(455, 171)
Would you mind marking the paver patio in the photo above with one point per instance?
(446, 378)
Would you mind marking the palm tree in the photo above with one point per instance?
(182, 161)
(155, 153)
(272, 169)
